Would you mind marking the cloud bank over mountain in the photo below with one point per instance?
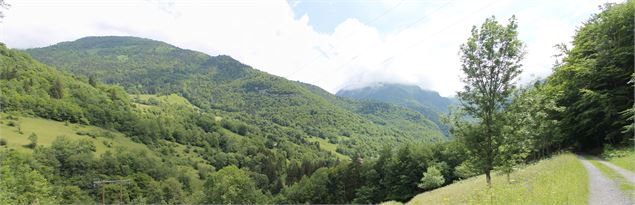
(276, 37)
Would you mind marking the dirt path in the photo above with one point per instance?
(602, 190)
(630, 176)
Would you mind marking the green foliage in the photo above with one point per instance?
(491, 62)
(565, 182)
(232, 185)
(20, 183)
(278, 141)
(33, 140)
(159, 126)
(428, 103)
(394, 175)
(57, 89)
(268, 105)
(465, 170)
(622, 157)
(31, 87)
(591, 82)
(431, 179)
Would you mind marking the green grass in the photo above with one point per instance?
(626, 187)
(183, 151)
(559, 180)
(173, 99)
(624, 158)
(327, 146)
(48, 130)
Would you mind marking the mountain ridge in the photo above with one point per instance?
(428, 103)
(223, 85)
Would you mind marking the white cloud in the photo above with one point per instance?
(266, 35)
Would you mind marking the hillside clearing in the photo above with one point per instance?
(48, 130)
(327, 146)
(565, 182)
(145, 101)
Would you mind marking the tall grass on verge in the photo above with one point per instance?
(624, 157)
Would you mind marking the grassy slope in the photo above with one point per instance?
(169, 99)
(48, 130)
(559, 180)
(624, 158)
(326, 145)
(627, 162)
(625, 186)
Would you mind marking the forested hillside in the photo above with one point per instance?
(428, 103)
(212, 143)
(265, 154)
(269, 104)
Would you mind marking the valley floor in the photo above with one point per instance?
(563, 179)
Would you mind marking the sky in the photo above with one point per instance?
(336, 45)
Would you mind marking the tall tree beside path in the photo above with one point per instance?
(491, 62)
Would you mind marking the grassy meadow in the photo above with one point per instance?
(17, 129)
(173, 99)
(327, 146)
(559, 180)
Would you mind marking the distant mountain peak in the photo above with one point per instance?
(426, 102)
(379, 91)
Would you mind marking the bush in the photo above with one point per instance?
(107, 134)
(88, 133)
(33, 139)
(3, 142)
(610, 152)
(431, 179)
(153, 101)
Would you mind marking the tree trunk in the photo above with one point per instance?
(490, 155)
(509, 181)
(488, 178)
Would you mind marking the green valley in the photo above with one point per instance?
(117, 108)
(224, 86)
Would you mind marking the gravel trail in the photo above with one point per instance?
(603, 190)
(630, 176)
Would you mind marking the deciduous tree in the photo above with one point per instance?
(491, 62)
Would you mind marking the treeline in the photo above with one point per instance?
(594, 81)
(396, 174)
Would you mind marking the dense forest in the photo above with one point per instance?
(213, 130)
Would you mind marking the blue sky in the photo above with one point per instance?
(386, 16)
(332, 44)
